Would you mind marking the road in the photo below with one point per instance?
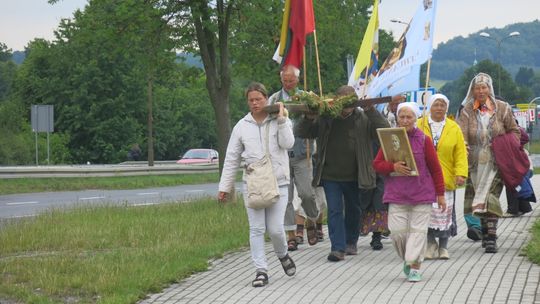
(30, 204)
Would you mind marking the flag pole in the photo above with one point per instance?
(366, 78)
(305, 68)
(306, 140)
(318, 64)
(425, 90)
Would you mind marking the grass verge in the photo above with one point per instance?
(113, 254)
(28, 185)
(532, 250)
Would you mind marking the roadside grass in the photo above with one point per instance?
(534, 147)
(532, 250)
(114, 254)
(29, 185)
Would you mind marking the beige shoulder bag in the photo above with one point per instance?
(262, 187)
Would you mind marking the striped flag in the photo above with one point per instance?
(298, 22)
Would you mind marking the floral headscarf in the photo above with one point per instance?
(480, 78)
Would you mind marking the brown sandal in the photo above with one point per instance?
(311, 232)
(292, 245)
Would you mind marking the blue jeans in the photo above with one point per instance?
(343, 229)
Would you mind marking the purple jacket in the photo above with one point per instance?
(412, 190)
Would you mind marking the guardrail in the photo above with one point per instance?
(124, 169)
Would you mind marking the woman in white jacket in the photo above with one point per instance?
(247, 143)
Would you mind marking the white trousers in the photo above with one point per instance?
(408, 226)
(268, 220)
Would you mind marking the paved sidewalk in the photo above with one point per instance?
(470, 276)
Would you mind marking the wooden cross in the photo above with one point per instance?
(302, 108)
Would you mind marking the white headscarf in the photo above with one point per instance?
(480, 78)
(411, 105)
(436, 97)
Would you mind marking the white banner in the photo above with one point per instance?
(414, 48)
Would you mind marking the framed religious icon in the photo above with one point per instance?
(396, 147)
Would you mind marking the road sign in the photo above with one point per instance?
(421, 97)
(42, 117)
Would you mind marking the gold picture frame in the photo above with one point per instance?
(396, 147)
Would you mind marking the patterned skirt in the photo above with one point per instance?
(493, 205)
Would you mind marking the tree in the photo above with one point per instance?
(457, 90)
(524, 76)
(7, 71)
(204, 27)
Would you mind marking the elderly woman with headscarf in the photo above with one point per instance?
(452, 153)
(409, 196)
(481, 119)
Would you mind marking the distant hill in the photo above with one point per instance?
(18, 57)
(450, 59)
(190, 59)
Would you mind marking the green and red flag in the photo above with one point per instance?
(298, 22)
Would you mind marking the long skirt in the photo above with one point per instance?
(492, 205)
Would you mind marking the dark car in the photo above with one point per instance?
(199, 156)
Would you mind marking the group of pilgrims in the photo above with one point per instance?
(337, 163)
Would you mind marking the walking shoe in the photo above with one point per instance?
(351, 249)
(261, 279)
(508, 214)
(376, 241)
(491, 246)
(474, 234)
(406, 269)
(414, 276)
(336, 256)
(443, 254)
(432, 251)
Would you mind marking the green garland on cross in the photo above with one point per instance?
(324, 106)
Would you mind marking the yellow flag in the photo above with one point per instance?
(284, 27)
(364, 54)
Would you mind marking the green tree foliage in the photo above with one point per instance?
(450, 59)
(536, 84)
(524, 76)
(7, 71)
(97, 75)
(112, 78)
(257, 33)
(510, 91)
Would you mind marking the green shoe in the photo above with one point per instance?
(406, 269)
(414, 276)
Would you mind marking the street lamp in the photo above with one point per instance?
(499, 42)
(398, 21)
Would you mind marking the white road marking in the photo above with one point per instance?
(22, 203)
(148, 193)
(20, 216)
(143, 204)
(91, 198)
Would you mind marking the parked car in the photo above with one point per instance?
(199, 156)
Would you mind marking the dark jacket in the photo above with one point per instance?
(366, 123)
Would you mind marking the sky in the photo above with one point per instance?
(23, 20)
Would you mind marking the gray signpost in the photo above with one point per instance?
(42, 119)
